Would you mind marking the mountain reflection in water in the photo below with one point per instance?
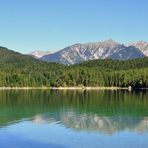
(95, 111)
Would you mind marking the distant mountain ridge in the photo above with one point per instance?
(130, 52)
(143, 46)
(78, 53)
(38, 53)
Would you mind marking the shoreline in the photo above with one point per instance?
(23, 88)
(70, 88)
(88, 88)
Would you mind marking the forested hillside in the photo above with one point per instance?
(21, 70)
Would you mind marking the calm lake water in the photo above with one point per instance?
(73, 119)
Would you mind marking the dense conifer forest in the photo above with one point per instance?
(18, 70)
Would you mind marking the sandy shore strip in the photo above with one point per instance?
(88, 88)
(23, 88)
(69, 88)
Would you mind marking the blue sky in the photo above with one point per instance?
(27, 25)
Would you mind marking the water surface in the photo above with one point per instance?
(73, 119)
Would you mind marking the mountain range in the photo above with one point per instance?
(108, 49)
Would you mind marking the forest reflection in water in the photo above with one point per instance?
(95, 111)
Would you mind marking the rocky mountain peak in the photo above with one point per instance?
(78, 53)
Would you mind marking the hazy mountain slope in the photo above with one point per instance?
(143, 46)
(130, 52)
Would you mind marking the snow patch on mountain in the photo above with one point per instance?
(39, 54)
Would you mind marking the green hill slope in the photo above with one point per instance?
(22, 70)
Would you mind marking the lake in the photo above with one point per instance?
(73, 119)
